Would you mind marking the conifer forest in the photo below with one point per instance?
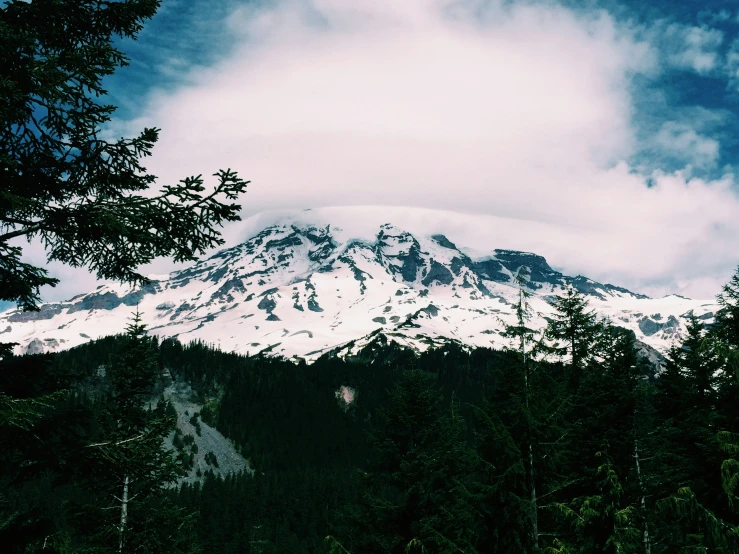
(571, 438)
(445, 451)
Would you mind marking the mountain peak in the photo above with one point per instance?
(299, 287)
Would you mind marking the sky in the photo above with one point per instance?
(601, 134)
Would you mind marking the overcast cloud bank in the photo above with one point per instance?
(520, 115)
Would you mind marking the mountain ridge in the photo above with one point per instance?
(298, 290)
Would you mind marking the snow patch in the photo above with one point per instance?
(345, 395)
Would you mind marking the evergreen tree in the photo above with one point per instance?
(85, 198)
(730, 467)
(524, 335)
(504, 481)
(686, 400)
(724, 338)
(695, 511)
(727, 318)
(82, 196)
(572, 334)
(420, 493)
(521, 436)
(127, 466)
(603, 523)
(665, 480)
(609, 512)
(40, 437)
(607, 401)
(696, 528)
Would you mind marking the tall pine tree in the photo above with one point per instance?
(572, 334)
(420, 493)
(127, 466)
(724, 335)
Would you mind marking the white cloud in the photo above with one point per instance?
(690, 47)
(518, 115)
(711, 17)
(684, 143)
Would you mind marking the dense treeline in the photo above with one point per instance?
(82, 464)
(567, 443)
(564, 444)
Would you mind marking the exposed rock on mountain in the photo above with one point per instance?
(300, 290)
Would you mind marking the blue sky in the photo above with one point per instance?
(189, 34)
(602, 134)
(182, 35)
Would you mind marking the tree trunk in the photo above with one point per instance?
(645, 534)
(532, 483)
(535, 508)
(124, 514)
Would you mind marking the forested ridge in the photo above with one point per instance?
(532, 449)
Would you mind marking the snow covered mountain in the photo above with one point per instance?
(298, 290)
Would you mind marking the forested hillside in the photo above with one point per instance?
(448, 450)
(565, 439)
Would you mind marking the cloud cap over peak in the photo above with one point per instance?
(516, 111)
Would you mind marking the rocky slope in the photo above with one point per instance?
(297, 290)
(211, 444)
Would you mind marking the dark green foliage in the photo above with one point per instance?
(521, 436)
(126, 467)
(39, 443)
(504, 480)
(207, 413)
(63, 479)
(442, 451)
(177, 441)
(420, 494)
(725, 343)
(24, 413)
(572, 334)
(727, 318)
(87, 200)
(196, 423)
(62, 182)
(730, 467)
(211, 459)
(602, 522)
(686, 406)
(693, 449)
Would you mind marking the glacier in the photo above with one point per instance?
(300, 289)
